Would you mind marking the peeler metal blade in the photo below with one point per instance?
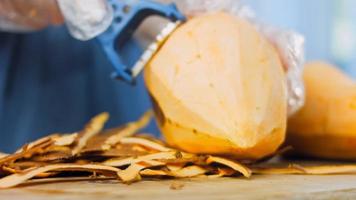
(153, 48)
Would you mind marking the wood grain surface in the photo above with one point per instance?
(258, 187)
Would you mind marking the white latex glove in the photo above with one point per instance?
(28, 15)
(84, 18)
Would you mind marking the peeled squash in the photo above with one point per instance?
(326, 126)
(218, 87)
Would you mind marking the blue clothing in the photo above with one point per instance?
(50, 82)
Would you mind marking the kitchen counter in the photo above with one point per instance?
(257, 187)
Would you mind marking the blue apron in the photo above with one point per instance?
(50, 82)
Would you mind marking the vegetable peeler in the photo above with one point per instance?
(128, 15)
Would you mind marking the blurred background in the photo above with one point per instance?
(329, 26)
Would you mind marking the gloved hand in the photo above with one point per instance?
(27, 15)
(84, 18)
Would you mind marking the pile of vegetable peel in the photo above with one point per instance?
(122, 154)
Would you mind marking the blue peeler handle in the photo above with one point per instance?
(128, 15)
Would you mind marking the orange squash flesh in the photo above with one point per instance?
(218, 87)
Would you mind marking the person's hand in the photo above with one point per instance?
(85, 19)
(24, 15)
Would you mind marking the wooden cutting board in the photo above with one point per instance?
(258, 187)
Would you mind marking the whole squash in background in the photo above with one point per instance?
(218, 87)
(326, 126)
